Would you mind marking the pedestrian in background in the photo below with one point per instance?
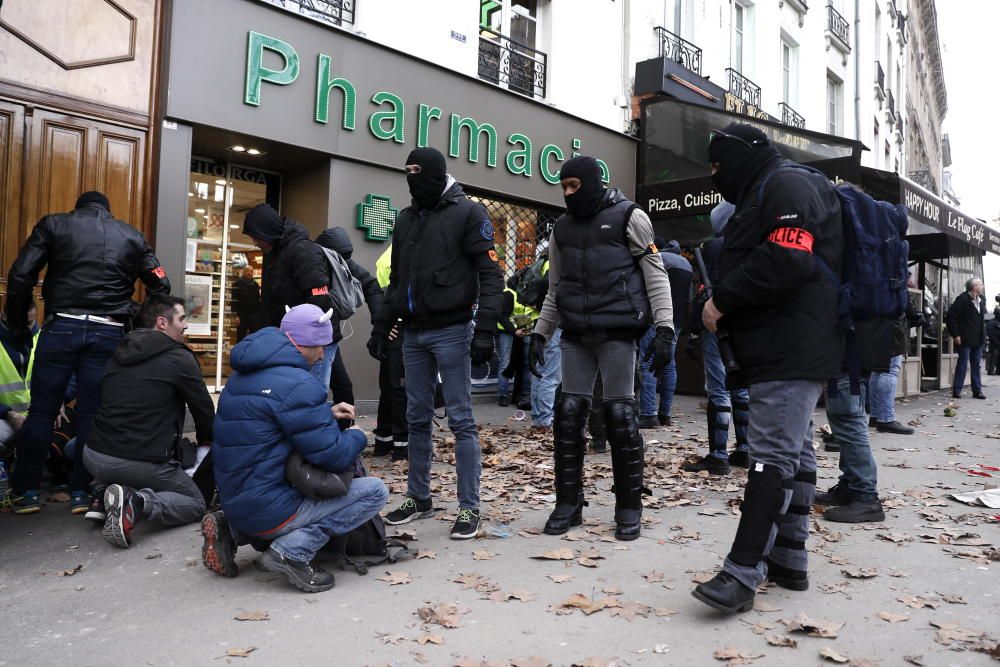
(246, 303)
(965, 322)
(993, 339)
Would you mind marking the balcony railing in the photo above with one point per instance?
(334, 12)
(890, 103)
(838, 25)
(679, 50)
(790, 116)
(879, 80)
(743, 88)
(511, 64)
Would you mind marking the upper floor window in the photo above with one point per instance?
(834, 105)
(739, 33)
(508, 46)
(789, 72)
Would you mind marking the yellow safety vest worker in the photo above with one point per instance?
(382, 267)
(522, 315)
(15, 391)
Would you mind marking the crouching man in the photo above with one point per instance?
(132, 449)
(271, 408)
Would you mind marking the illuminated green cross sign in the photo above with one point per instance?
(388, 118)
(376, 217)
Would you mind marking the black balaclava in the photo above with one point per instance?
(427, 187)
(738, 160)
(264, 223)
(93, 197)
(585, 202)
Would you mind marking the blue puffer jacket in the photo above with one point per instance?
(270, 406)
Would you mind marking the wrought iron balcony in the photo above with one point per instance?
(511, 64)
(879, 80)
(891, 105)
(679, 49)
(838, 26)
(334, 12)
(790, 116)
(743, 88)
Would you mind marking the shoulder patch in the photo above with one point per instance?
(486, 230)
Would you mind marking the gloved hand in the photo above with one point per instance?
(536, 354)
(377, 345)
(660, 350)
(481, 350)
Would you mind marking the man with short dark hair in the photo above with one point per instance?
(92, 261)
(965, 321)
(134, 446)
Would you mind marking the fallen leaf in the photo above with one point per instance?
(612, 590)
(445, 614)
(736, 656)
(896, 538)
(253, 616)
(407, 534)
(917, 660)
(952, 598)
(892, 618)
(813, 628)
(395, 578)
(240, 652)
(702, 577)
(950, 631)
(581, 602)
(781, 640)
(861, 573)
(389, 638)
(664, 611)
(587, 562)
(918, 603)
(653, 576)
(152, 556)
(523, 596)
(560, 578)
(468, 580)
(426, 554)
(531, 661)
(556, 554)
(828, 653)
(630, 610)
(70, 572)
(430, 639)
(482, 554)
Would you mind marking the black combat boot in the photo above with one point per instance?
(627, 464)
(569, 443)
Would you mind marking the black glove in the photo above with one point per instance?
(481, 350)
(377, 345)
(536, 354)
(660, 349)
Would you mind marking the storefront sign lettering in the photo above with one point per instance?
(735, 104)
(387, 122)
(926, 208)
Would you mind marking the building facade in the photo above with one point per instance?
(926, 101)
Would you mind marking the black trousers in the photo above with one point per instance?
(340, 381)
(391, 419)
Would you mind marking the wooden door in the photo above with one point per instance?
(12, 227)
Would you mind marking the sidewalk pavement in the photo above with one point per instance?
(921, 588)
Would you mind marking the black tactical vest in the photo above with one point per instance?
(601, 287)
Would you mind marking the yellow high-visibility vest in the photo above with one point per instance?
(383, 265)
(15, 391)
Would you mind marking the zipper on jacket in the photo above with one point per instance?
(409, 285)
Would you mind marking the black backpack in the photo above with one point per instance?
(531, 283)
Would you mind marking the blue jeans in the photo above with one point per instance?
(321, 369)
(965, 355)
(543, 389)
(882, 392)
(849, 424)
(65, 347)
(316, 521)
(505, 343)
(667, 379)
(426, 354)
(728, 403)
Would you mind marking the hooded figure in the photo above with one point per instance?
(586, 201)
(338, 240)
(264, 223)
(737, 152)
(428, 183)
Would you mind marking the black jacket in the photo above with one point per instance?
(93, 261)
(680, 273)
(779, 309)
(246, 298)
(295, 272)
(443, 264)
(148, 382)
(337, 240)
(965, 319)
(993, 333)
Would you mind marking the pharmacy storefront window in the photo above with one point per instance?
(220, 262)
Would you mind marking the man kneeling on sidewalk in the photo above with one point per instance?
(271, 408)
(133, 446)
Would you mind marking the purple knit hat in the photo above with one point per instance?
(307, 325)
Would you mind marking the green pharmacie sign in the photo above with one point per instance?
(387, 118)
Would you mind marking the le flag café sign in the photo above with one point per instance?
(932, 211)
(388, 120)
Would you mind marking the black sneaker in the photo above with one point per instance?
(713, 464)
(835, 495)
(306, 577)
(218, 550)
(663, 419)
(383, 445)
(981, 396)
(524, 405)
(123, 507)
(400, 452)
(856, 512)
(831, 445)
(95, 511)
(409, 510)
(872, 423)
(956, 394)
(739, 458)
(649, 421)
(893, 427)
(725, 593)
(466, 525)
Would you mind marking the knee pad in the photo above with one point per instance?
(765, 499)
(570, 416)
(620, 414)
